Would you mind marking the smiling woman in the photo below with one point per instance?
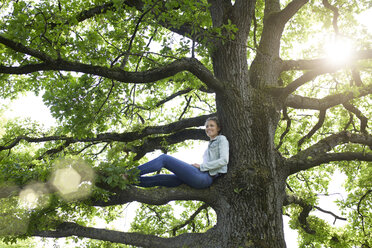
(199, 176)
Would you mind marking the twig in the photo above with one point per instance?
(358, 113)
(358, 208)
(125, 59)
(108, 96)
(190, 220)
(188, 100)
(335, 15)
(329, 212)
(289, 121)
(318, 125)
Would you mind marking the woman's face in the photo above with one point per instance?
(212, 129)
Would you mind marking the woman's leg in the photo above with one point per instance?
(184, 171)
(167, 180)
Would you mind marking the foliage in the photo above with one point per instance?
(107, 77)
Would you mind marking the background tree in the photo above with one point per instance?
(124, 78)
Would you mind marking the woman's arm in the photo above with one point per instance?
(196, 165)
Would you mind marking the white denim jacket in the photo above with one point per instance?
(216, 157)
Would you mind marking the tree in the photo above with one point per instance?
(127, 77)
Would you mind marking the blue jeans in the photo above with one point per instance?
(182, 173)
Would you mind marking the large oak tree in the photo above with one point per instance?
(127, 77)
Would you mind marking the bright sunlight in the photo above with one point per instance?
(339, 50)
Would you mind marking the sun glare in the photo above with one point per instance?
(339, 50)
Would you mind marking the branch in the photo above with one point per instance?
(323, 158)
(289, 122)
(35, 140)
(317, 153)
(304, 64)
(331, 213)
(290, 10)
(301, 102)
(358, 113)
(274, 23)
(125, 59)
(318, 125)
(358, 208)
(306, 77)
(335, 14)
(192, 217)
(18, 47)
(185, 29)
(171, 97)
(185, 64)
(156, 196)
(357, 80)
(122, 137)
(306, 208)
(188, 100)
(67, 229)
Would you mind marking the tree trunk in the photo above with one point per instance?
(250, 209)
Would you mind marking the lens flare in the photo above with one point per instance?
(67, 180)
(73, 179)
(33, 195)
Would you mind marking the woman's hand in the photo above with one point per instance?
(196, 165)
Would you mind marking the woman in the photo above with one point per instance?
(198, 176)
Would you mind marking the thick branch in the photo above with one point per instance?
(18, 47)
(157, 196)
(306, 208)
(186, 64)
(310, 162)
(300, 102)
(305, 78)
(317, 153)
(97, 10)
(290, 10)
(304, 64)
(274, 23)
(141, 240)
